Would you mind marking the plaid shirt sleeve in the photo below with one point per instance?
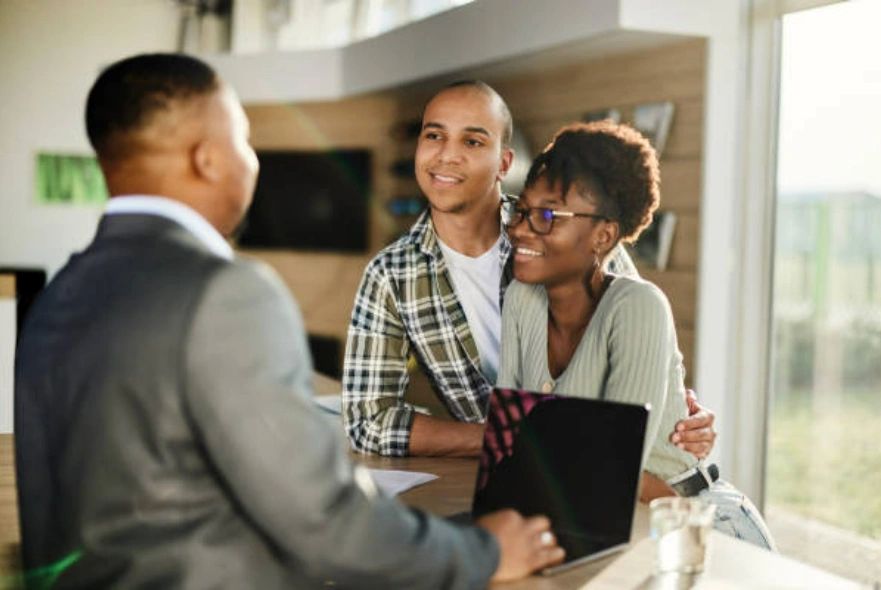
(375, 375)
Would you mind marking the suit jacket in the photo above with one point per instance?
(165, 436)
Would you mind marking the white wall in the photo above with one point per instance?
(50, 53)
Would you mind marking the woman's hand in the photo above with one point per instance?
(695, 434)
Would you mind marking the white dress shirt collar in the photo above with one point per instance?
(175, 211)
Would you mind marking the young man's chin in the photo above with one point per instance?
(450, 206)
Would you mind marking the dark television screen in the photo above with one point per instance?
(310, 201)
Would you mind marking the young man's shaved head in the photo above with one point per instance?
(489, 91)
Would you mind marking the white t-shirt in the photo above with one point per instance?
(476, 281)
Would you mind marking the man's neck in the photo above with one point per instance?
(470, 232)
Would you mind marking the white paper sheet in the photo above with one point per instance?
(394, 482)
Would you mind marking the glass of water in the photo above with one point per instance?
(680, 527)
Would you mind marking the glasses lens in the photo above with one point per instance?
(510, 214)
(541, 220)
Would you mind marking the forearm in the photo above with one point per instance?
(444, 438)
(652, 487)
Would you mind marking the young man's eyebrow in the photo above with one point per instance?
(478, 130)
(470, 129)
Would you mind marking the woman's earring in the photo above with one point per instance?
(593, 272)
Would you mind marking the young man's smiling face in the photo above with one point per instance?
(460, 157)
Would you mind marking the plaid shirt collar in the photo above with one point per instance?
(423, 235)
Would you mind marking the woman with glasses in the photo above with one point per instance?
(571, 327)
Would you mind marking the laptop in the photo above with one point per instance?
(577, 461)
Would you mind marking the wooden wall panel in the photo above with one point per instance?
(7, 286)
(681, 184)
(684, 141)
(678, 286)
(670, 73)
(684, 251)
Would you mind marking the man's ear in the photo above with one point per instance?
(507, 160)
(204, 162)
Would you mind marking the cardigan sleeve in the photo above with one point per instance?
(510, 369)
(642, 339)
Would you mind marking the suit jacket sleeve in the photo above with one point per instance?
(248, 390)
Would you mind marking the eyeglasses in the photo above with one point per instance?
(540, 219)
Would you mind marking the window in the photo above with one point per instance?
(824, 456)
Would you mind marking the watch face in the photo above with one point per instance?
(691, 482)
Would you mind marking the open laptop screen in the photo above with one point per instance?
(574, 460)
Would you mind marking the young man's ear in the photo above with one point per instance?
(507, 160)
(204, 162)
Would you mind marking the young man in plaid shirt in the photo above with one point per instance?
(436, 293)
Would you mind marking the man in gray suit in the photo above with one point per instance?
(165, 435)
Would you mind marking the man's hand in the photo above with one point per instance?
(525, 544)
(695, 434)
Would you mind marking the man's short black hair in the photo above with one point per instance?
(130, 92)
(480, 85)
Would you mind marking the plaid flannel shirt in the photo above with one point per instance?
(406, 305)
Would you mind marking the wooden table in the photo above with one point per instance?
(730, 564)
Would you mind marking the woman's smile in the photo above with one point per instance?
(526, 253)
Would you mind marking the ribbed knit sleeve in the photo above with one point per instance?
(645, 367)
(509, 357)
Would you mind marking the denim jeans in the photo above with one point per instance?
(737, 516)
